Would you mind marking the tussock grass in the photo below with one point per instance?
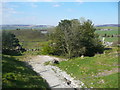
(87, 69)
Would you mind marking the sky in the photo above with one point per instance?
(50, 13)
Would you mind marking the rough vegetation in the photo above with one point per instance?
(73, 38)
(100, 71)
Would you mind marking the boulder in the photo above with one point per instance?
(55, 61)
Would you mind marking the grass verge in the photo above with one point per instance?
(17, 75)
(100, 71)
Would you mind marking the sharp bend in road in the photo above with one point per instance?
(55, 77)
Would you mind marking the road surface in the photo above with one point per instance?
(55, 77)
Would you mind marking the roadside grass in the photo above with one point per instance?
(17, 75)
(87, 69)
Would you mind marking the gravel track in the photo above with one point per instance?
(55, 77)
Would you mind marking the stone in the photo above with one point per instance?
(68, 81)
(55, 61)
(82, 56)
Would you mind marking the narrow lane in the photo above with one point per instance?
(55, 77)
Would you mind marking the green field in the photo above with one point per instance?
(110, 39)
(94, 71)
(113, 28)
(17, 75)
(28, 35)
(30, 39)
(110, 33)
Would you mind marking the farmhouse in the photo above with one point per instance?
(44, 31)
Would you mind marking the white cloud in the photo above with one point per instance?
(9, 10)
(56, 5)
(20, 20)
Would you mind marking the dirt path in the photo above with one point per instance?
(55, 77)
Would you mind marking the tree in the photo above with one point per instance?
(10, 42)
(73, 38)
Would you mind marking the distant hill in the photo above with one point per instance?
(108, 25)
(22, 26)
(17, 26)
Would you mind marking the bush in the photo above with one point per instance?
(10, 44)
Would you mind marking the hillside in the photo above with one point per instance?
(108, 25)
(100, 71)
(20, 26)
(17, 75)
(28, 38)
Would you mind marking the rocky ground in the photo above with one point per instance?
(55, 77)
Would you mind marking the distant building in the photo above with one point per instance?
(44, 31)
(104, 29)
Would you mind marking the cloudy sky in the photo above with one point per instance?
(50, 13)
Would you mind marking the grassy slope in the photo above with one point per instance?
(109, 39)
(17, 75)
(28, 35)
(32, 38)
(87, 68)
(107, 32)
